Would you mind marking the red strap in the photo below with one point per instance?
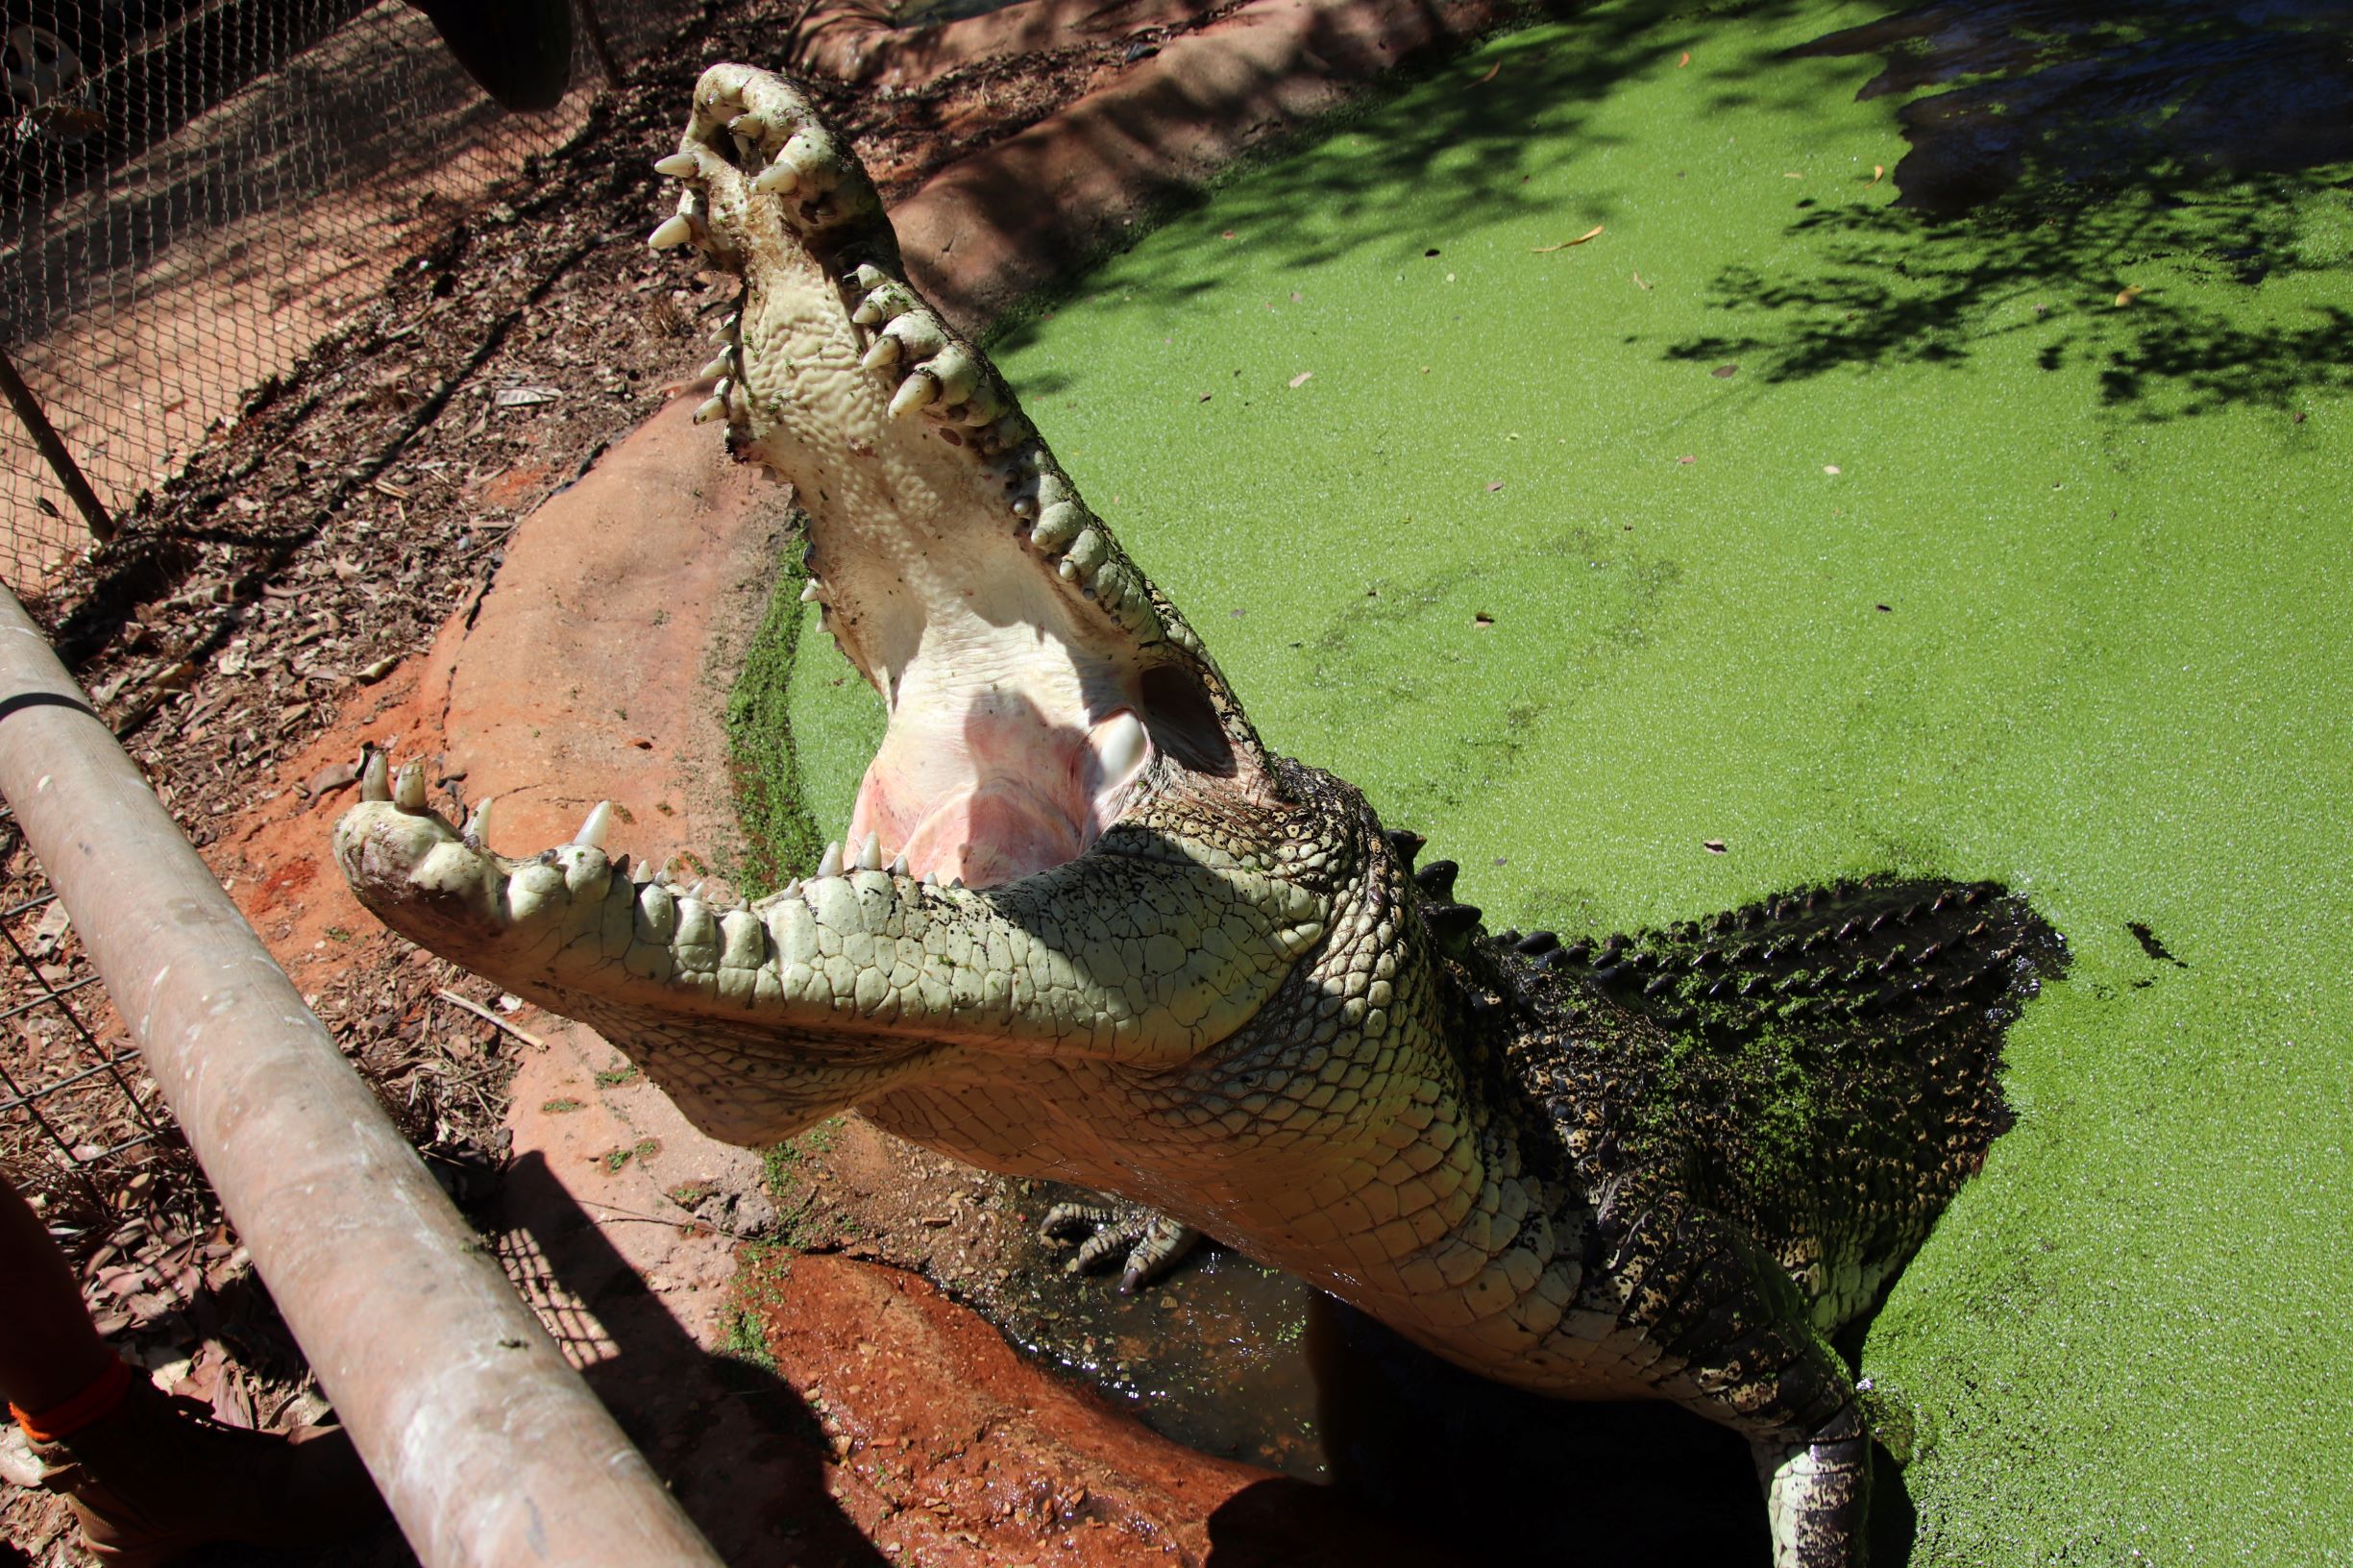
(98, 1400)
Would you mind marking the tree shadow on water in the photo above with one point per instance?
(2082, 144)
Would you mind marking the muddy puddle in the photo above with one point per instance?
(1214, 1356)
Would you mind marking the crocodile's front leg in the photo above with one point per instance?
(1144, 1243)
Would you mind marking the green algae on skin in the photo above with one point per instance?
(2067, 615)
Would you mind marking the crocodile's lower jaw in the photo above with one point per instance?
(835, 991)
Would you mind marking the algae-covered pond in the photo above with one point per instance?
(2014, 542)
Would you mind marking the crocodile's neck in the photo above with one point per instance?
(1424, 1204)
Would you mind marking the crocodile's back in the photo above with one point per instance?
(1820, 1069)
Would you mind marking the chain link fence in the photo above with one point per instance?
(193, 192)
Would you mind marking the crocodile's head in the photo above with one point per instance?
(1070, 858)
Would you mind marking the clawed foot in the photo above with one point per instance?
(1113, 1229)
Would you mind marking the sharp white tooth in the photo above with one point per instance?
(831, 865)
(870, 853)
(592, 832)
(721, 365)
(640, 872)
(776, 178)
(916, 393)
(376, 778)
(408, 787)
(711, 409)
(677, 165)
(884, 351)
(477, 826)
(898, 865)
(919, 334)
(1069, 571)
(1120, 747)
(727, 324)
(694, 891)
(721, 387)
(675, 231)
(791, 888)
(810, 593)
(931, 878)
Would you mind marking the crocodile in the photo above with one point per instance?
(1084, 925)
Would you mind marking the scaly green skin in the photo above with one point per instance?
(1204, 978)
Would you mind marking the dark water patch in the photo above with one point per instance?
(2142, 934)
(2099, 95)
(912, 14)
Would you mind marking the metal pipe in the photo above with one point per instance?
(35, 420)
(489, 1447)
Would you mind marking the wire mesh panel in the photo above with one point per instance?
(192, 192)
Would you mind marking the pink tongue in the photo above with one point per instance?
(990, 834)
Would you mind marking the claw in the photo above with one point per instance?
(804, 153)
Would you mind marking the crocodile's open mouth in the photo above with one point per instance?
(1007, 878)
